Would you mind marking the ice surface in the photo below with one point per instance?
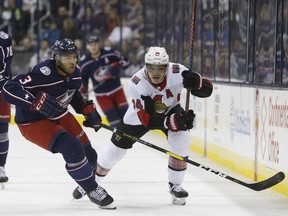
(39, 185)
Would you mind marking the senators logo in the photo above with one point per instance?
(159, 106)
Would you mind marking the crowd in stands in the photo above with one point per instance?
(119, 24)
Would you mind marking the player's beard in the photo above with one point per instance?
(62, 70)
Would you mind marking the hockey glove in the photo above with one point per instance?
(149, 104)
(176, 122)
(205, 91)
(191, 80)
(189, 117)
(92, 117)
(46, 105)
(114, 69)
(84, 92)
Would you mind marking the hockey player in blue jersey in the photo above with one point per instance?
(41, 98)
(103, 66)
(6, 55)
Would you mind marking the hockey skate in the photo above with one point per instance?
(100, 197)
(78, 192)
(178, 194)
(3, 177)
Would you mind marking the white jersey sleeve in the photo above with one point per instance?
(165, 97)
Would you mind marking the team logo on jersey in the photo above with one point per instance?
(3, 35)
(159, 106)
(175, 68)
(45, 70)
(65, 99)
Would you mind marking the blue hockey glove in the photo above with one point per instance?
(93, 119)
(46, 105)
(114, 68)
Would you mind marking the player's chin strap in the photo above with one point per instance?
(258, 186)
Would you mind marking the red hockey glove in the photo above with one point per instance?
(205, 91)
(191, 80)
(176, 122)
(93, 119)
(46, 105)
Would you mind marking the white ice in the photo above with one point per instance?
(39, 185)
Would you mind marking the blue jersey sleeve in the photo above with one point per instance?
(14, 91)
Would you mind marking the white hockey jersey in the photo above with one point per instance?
(164, 97)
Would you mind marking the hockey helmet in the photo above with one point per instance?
(157, 56)
(92, 38)
(64, 46)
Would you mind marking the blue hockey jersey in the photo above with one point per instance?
(22, 89)
(6, 55)
(99, 69)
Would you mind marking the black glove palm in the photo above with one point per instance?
(189, 117)
(191, 80)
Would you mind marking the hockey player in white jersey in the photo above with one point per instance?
(155, 93)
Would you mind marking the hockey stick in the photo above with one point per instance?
(191, 45)
(258, 186)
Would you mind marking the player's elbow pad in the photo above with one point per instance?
(154, 121)
(205, 91)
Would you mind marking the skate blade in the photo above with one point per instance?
(108, 207)
(178, 201)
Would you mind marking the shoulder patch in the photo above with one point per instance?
(3, 35)
(135, 79)
(175, 68)
(45, 70)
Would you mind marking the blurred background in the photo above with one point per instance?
(236, 41)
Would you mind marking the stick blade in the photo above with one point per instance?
(270, 182)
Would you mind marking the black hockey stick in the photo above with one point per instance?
(191, 45)
(258, 186)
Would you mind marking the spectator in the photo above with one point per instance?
(87, 22)
(44, 53)
(138, 50)
(62, 14)
(52, 33)
(22, 56)
(119, 33)
(18, 19)
(70, 30)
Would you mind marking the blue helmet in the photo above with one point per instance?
(92, 38)
(64, 46)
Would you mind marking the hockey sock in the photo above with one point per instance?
(176, 170)
(77, 164)
(91, 155)
(83, 175)
(4, 143)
